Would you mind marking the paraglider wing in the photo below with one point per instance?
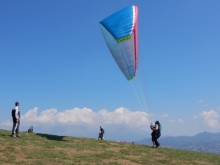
(120, 31)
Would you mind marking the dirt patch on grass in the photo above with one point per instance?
(120, 161)
(202, 162)
(2, 147)
(114, 149)
(75, 151)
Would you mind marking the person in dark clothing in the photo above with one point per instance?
(101, 134)
(156, 133)
(16, 120)
(31, 129)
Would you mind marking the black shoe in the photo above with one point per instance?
(157, 145)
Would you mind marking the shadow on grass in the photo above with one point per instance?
(1, 135)
(52, 137)
(144, 145)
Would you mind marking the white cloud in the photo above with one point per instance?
(85, 122)
(180, 120)
(195, 116)
(6, 123)
(120, 123)
(174, 121)
(211, 118)
(87, 116)
(165, 115)
(200, 101)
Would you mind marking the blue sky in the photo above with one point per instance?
(55, 62)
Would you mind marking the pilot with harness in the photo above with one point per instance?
(156, 133)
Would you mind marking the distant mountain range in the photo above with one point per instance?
(202, 142)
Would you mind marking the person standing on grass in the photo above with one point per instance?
(156, 133)
(102, 133)
(16, 120)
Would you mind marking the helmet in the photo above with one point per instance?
(16, 103)
(157, 122)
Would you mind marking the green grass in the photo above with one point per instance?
(43, 149)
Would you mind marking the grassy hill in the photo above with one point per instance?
(34, 148)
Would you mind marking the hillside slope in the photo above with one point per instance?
(34, 148)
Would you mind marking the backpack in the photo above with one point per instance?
(160, 128)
